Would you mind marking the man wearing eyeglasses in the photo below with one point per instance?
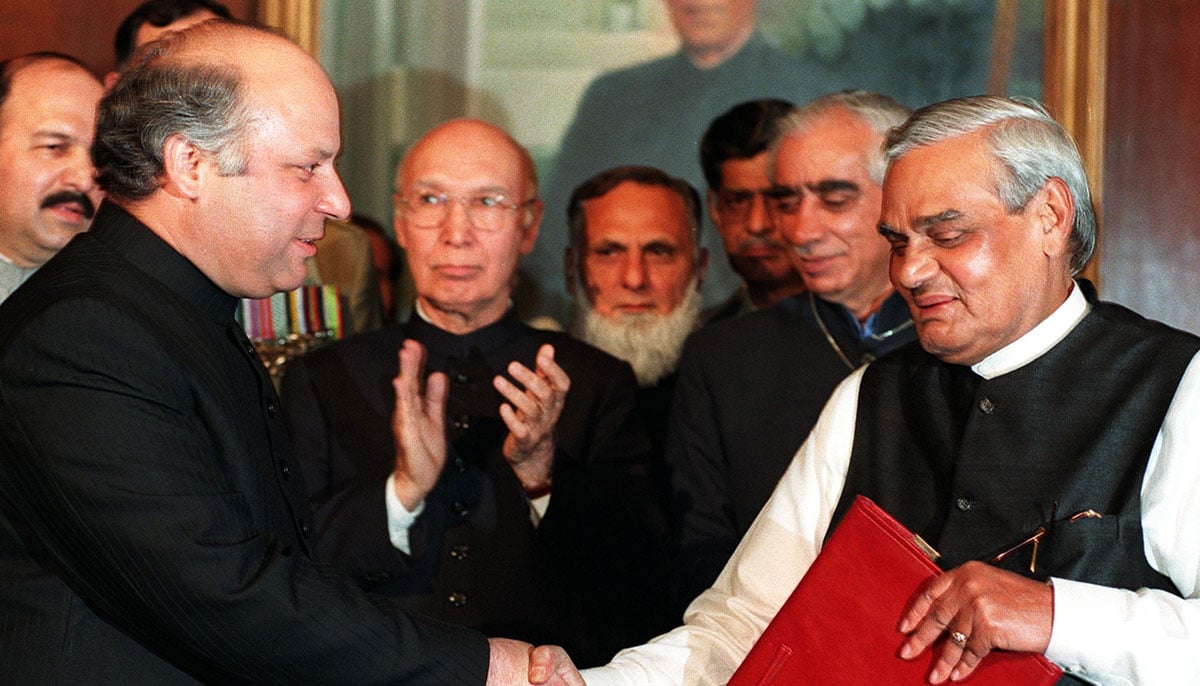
(751, 388)
(508, 489)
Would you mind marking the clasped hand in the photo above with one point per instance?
(418, 422)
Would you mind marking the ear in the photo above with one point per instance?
(569, 270)
(1054, 212)
(711, 199)
(701, 267)
(398, 229)
(533, 220)
(184, 167)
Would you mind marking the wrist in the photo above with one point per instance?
(410, 495)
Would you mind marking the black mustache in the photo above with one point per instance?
(63, 197)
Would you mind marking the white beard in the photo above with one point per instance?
(650, 343)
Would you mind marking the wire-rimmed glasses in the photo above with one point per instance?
(485, 211)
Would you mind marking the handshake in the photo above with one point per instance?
(518, 663)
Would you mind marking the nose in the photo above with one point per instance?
(79, 174)
(912, 268)
(456, 227)
(803, 226)
(334, 202)
(633, 273)
(758, 221)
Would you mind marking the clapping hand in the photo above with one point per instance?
(418, 426)
(530, 415)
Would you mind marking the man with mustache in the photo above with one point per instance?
(48, 190)
(1042, 440)
(734, 157)
(653, 114)
(634, 267)
(750, 388)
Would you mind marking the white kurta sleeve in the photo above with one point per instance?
(724, 622)
(1114, 636)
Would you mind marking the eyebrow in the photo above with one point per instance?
(493, 189)
(53, 134)
(654, 243)
(888, 232)
(319, 152)
(659, 244)
(606, 243)
(922, 223)
(833, 185)
(939, 218)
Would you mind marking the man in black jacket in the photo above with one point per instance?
(152, 527)
(515, 499)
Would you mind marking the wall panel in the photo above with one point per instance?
(1151, 240)
(83, 28)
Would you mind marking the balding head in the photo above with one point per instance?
(466, 210)
(468, 141)
(205, 83)
(221, 138)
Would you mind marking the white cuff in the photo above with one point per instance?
(399, 519)
(1116, 636)
(537, 508)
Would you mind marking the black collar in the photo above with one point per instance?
(138, 244)
(480, 341)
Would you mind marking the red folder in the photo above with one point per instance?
(839, 625)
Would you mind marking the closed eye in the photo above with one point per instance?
(948, 239)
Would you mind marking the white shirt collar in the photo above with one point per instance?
(1038, 340)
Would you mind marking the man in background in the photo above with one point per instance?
(634, 268)
(151, 19)
(517, 502)
(654, 114)
(751, 388)
(48, 190)
(734, 157)
(151, 526)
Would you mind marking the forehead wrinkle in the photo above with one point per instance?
(440, 186)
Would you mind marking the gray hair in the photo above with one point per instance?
(600, 185)
(1033, 147)
(879, 112)
(158, 96)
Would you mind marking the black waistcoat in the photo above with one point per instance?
(976, 465)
